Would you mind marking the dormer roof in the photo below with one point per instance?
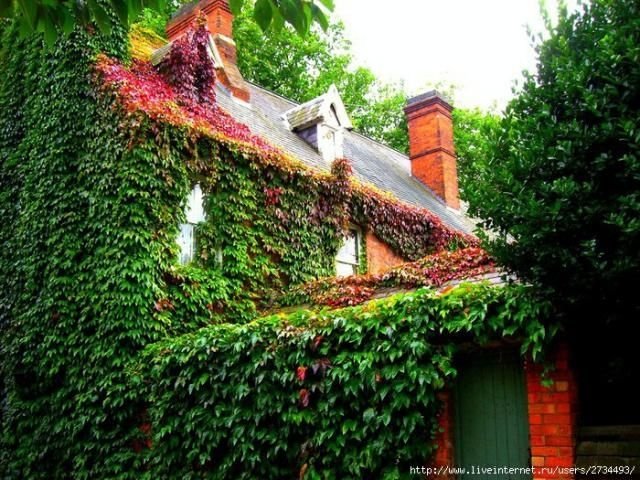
(327, 108)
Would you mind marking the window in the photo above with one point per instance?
(187, 242)
(334, 114)
(194, 213)
(347, 260)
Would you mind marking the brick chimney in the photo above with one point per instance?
(431, 149)
(220, 24)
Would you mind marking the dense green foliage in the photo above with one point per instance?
(343, 394)
(473, 132)
(54, 18)
(561, 188)
(79, 262)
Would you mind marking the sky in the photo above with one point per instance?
(479, 46)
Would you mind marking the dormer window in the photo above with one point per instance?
(321, 123)
(348, 257)
(334, 114)
(194, 213)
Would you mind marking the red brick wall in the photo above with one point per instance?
(445, 455)
(552, 416)
(431, 147)
(219, 18)
(379, 256)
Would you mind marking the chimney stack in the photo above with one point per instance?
(220, 25)
(431, 149)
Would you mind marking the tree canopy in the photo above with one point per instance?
(561, 185)
(55, 17)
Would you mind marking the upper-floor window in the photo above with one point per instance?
(348, 258)
(194, 213)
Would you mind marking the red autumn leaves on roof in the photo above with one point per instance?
(179, 92)
(432, 271)
(188, 68)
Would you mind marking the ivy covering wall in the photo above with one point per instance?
(80, 261)
(98, 153)
(342, 394)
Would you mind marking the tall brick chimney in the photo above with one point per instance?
(431, 149)
(220, 24)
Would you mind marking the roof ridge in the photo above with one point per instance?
(274, 94)
(378, 142)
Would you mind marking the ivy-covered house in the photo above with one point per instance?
(202, 279)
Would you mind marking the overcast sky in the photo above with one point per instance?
(480, 46)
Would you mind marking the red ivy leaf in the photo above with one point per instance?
(304, 397)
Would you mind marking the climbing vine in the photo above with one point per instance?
(341, 394)
(98, 152)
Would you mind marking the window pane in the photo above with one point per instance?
(187, 242)
(345, 269)
(348, 253)
(195, 206)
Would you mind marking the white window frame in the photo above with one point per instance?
(194, 214)
(348, 263)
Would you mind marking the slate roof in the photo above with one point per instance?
(384, 167)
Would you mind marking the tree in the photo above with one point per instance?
(473, 130)
(55, 17)
(561, 187)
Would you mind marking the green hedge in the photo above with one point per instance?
(338, 394)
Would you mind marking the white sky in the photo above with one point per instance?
(480, 46)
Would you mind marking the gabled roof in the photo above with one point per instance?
(373, 163)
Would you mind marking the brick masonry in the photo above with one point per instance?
(431, 147)
(552, 415)
(379, 256)
(445, 454)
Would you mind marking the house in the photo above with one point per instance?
(517, 421)
(319, 132)
(265, 196)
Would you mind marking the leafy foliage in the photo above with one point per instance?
(53, 18)
(61, 17)
(85, 239)
(561, 189)
(188, 68)
(474, 131)
(348, 393)
(433, 271)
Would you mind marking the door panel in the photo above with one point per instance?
(491, 421)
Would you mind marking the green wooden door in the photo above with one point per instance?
(491, 421)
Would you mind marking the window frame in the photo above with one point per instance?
(354, 264)
(194, 212)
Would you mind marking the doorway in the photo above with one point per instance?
(490, 415)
